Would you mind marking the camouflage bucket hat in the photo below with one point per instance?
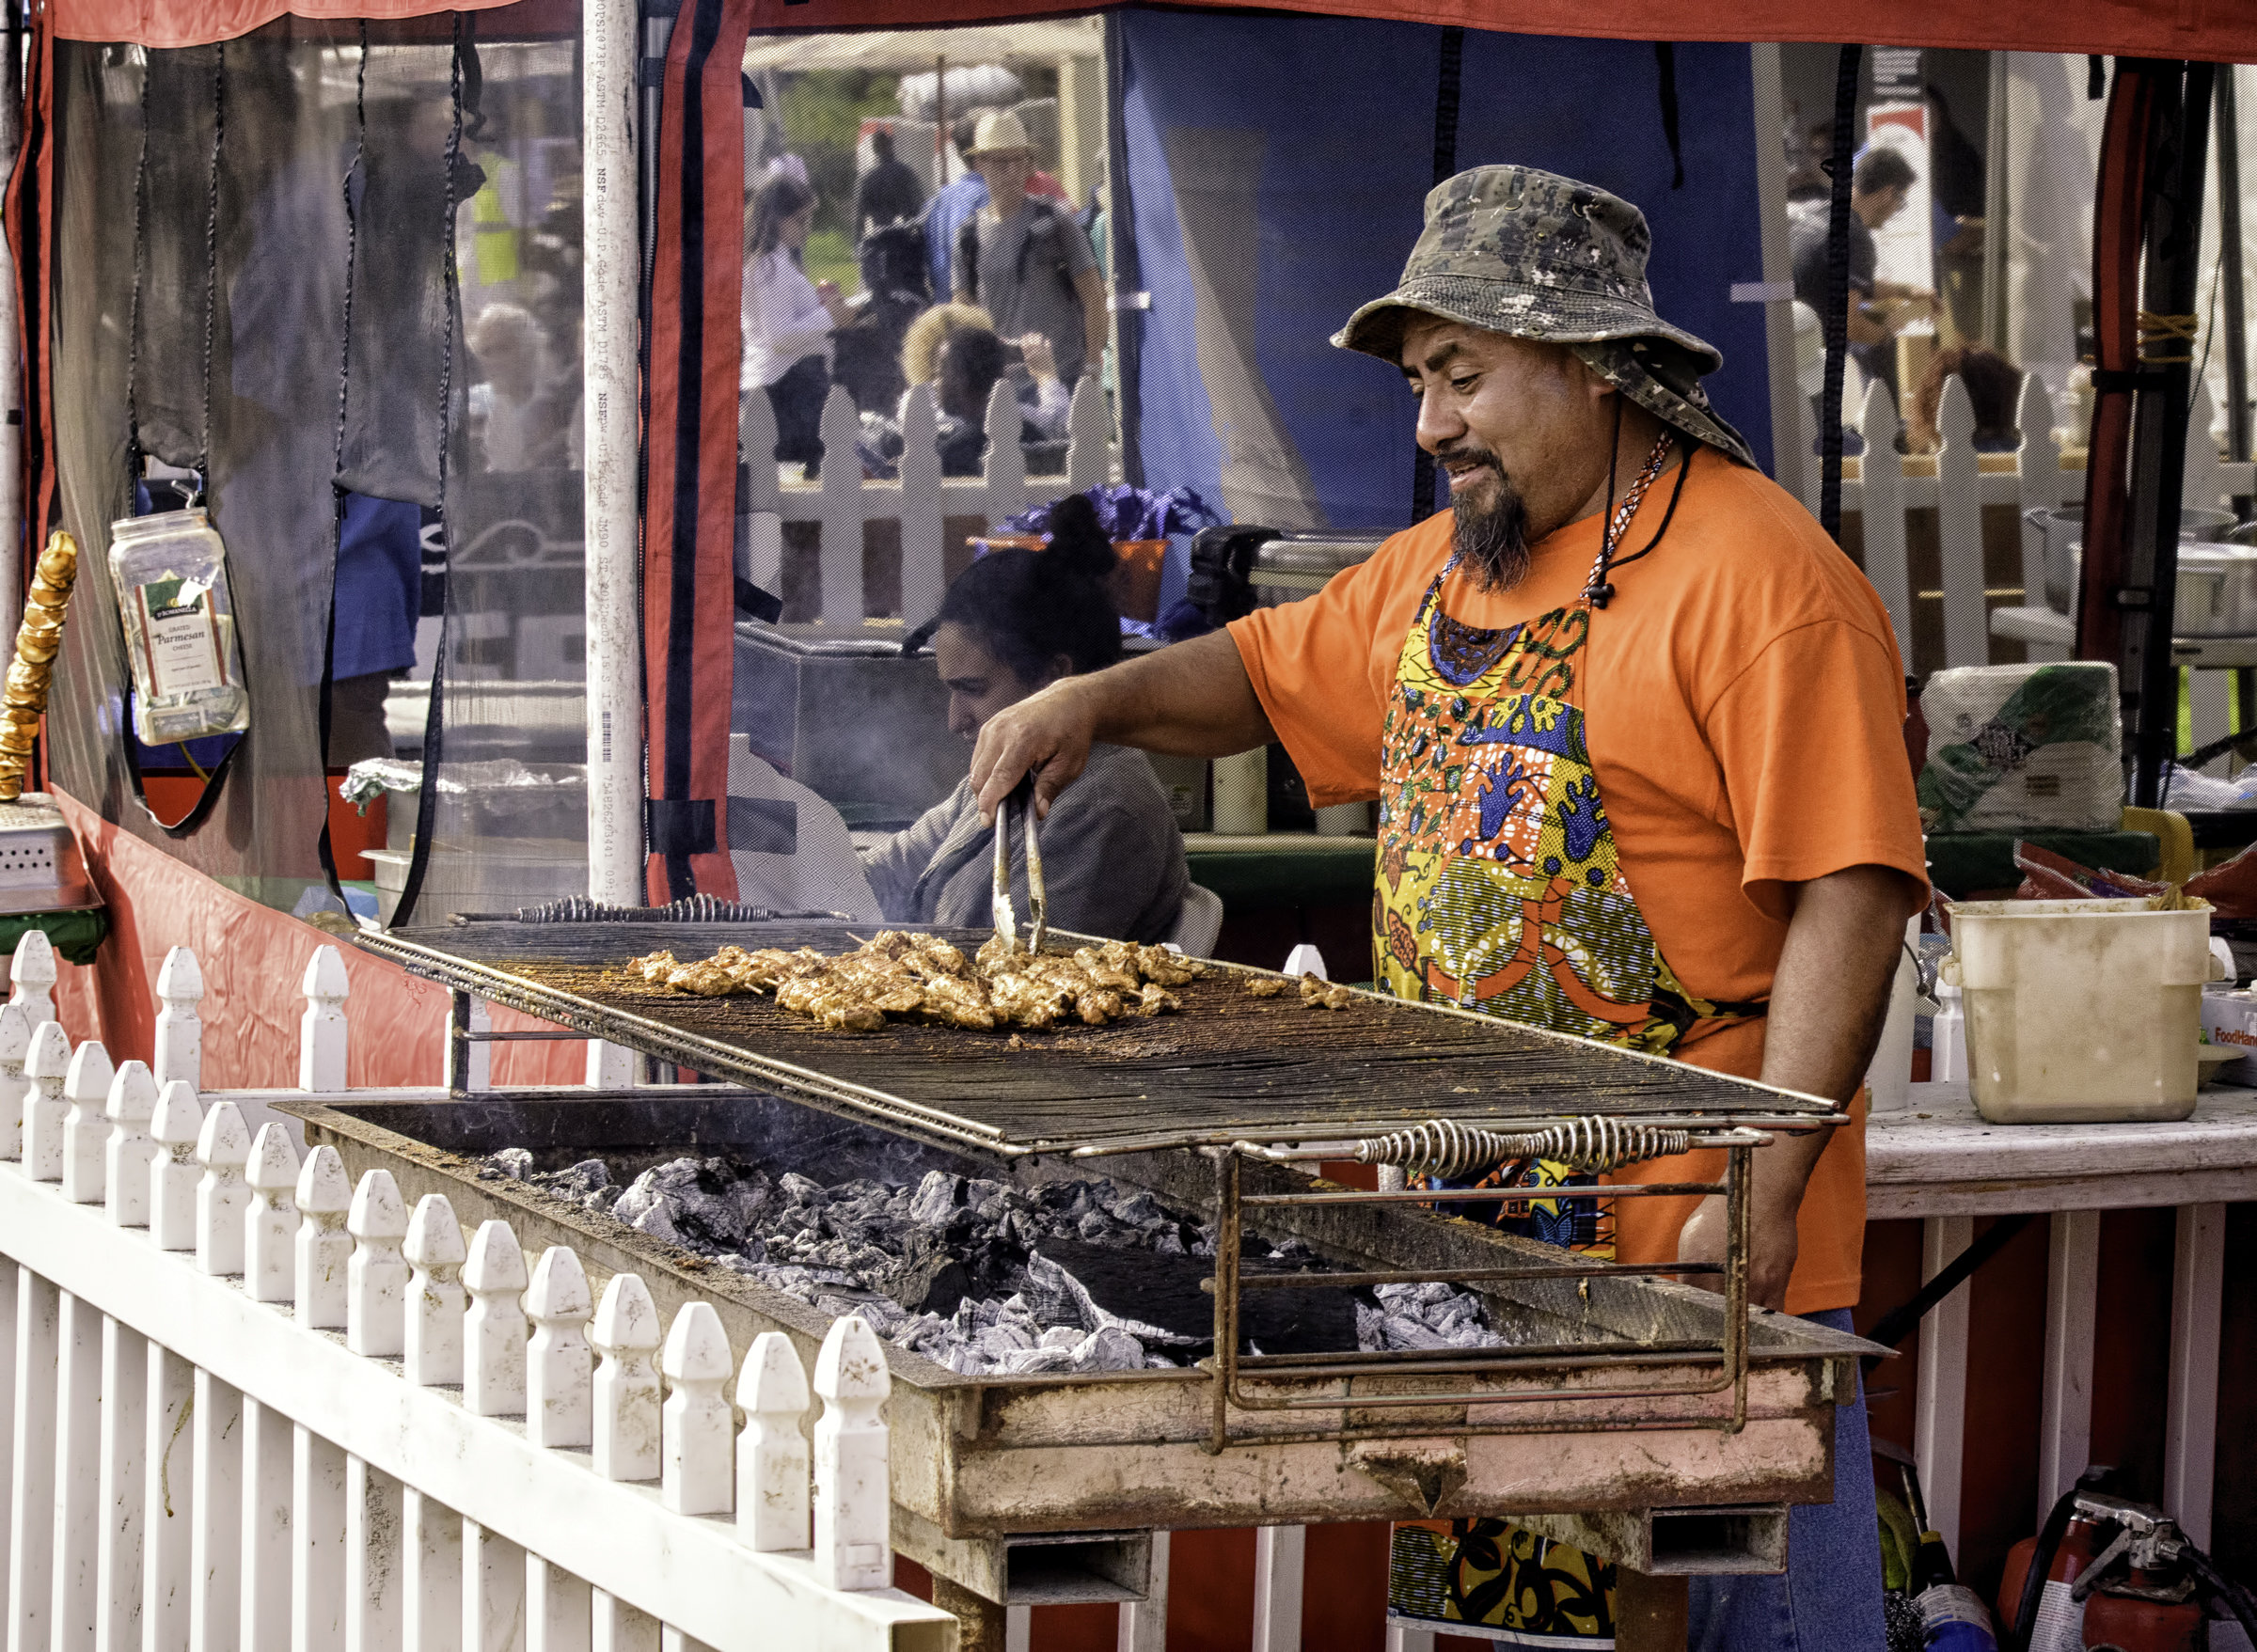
(1515, 250)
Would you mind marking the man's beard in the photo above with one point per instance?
(1491, 537)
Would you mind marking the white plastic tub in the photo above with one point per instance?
(2080, 1012)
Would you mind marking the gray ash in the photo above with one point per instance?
(989, 1277)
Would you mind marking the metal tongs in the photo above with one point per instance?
(1006, 917)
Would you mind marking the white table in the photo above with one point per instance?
(1939, 1160)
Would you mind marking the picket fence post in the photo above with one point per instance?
(433, 1323)
(15, 1090)
(180, 1044)
(772, 1461)
(129, 1155)
(322, 1028)
(322, 1250)
(86, 1125)
(560, 1371)
(271, 1225)
(853, 1492)
(32, 973)
(176, 1127)
(694, 1471)
(376, 1278)
(493, 1351)
(46, 1066)
(222, 1196)
(625, 1333)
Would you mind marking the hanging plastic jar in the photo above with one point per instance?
(171, 571)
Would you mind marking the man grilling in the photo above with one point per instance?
(1633, 723)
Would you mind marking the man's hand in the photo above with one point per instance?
(1042, 361)
(1050, 733)
(1828, 1000)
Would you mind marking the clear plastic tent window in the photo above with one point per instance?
(334, 180)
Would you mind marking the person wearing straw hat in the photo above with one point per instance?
(1634, 724)
(1022, 259)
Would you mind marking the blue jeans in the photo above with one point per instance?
(1829, 1598)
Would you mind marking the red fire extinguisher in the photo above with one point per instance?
(2105, 1571)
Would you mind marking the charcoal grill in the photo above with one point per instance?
(1620, 1391)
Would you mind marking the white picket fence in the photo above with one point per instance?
(246, 1405)
(921, 499)
(1956, 482)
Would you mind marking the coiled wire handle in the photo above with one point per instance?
(1442, 1148)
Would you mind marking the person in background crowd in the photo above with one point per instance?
(788, 319)
(963, 366)
(1022, 259)
(1013, 623)
(1878, 309)
(889, 192)
(952, 205)
(1994, 389)
(515, 413)
(946, 213)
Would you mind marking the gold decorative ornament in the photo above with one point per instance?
(38, 639)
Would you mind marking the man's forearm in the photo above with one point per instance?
(1829, 996)
(1192, 700)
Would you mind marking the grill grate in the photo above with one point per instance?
(1230, 1066)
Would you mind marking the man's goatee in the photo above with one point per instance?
(1492, 540)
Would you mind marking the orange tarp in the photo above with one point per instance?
(182, 22)
(253, 960)
(2222, 30)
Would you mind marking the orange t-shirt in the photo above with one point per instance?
(1744, 702)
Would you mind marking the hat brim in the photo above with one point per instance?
(1551, 315)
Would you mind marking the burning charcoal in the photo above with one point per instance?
(1169, 1243)
(589, 1175)
(512, 1163)
(799, 1190)
(655, 1220)
(933, 1285)
(1057, 1297)
(1402, 1332)
(1037, 1363)
(1097, 1228)
(600, 1202)
(995, 1341)
(1372, 1328)
(993, 1211)
(978, 1192)
(1109, 1348)
(1061, 1336)
(1140, 1210)
(938, 1196)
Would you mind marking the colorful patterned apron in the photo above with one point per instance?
(1500, 889)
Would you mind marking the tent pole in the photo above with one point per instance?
(610, 401)
(15, 533)
(2160, 434)
(1995, 207)
(2234, 339)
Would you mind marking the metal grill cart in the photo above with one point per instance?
(1661, 1426)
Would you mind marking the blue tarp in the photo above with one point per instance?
(1277, 165)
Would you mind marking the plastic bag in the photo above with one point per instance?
(2022, 749)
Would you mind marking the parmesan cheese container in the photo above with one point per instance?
(171, 572)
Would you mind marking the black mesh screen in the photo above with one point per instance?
(287, 105)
